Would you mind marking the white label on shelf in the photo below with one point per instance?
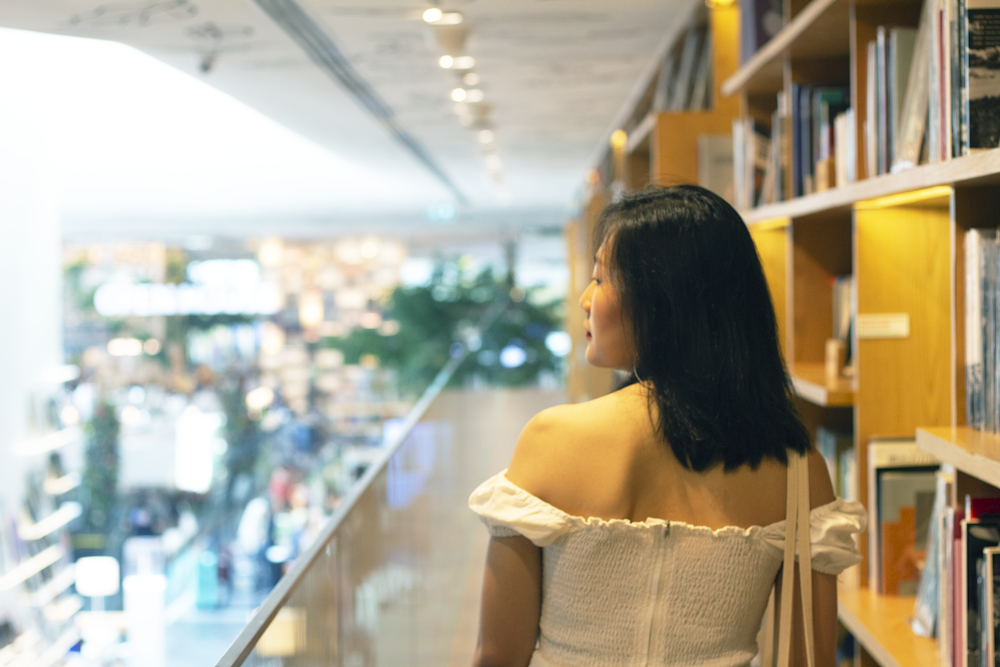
(883, 325)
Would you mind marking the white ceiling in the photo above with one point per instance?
(556, 73)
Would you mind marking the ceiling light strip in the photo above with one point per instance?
(321, 49)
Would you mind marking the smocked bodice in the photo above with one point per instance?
(655, 592)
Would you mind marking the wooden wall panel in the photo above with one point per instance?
(772, 247)
(903, 266)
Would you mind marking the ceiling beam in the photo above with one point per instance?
(312, 39)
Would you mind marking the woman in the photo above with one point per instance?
(646, 527)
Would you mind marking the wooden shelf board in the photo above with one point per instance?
(810, 383)
(978, 169)
(880, 624)
(820, 30)
(971, 451)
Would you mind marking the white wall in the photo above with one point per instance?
(30, 276)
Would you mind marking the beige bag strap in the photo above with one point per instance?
(796, 540)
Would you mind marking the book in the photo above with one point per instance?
(991, 608)
(872, 111)
(926, 606)
(760, 20)
(982, 35)
(845, 148)
(977, 535)
(974, 416)
(882, 100)
(715, 164)
(899, 60)
(913, 110)
(831, 446)
(888, 456)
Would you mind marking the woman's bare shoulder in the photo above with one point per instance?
(559, 443)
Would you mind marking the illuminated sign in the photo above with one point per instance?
(146, 299)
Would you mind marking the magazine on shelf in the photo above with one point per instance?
(888, 456)
(982, 35)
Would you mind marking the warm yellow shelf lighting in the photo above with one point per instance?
(905, 198)
(771, 223)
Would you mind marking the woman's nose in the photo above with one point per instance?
(585, 297)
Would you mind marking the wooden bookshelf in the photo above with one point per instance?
(880, 623)
(811, 383)
(979, 169)
(817, 32)
(972, 451)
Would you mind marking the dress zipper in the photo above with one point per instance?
(654, 591)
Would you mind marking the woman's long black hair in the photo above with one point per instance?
(693, 289)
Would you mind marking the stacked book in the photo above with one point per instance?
(982, 333)
(808, 147)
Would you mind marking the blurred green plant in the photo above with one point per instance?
(100, 472)
(436, 317)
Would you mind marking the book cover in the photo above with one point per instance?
(890, 455)
(982, 34)
(906, 504)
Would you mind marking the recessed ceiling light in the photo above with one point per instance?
(485, 136)
(619, 139)
(476, 95)
(471, 79)
(458, 94)
(433, 14)
(446, 62)
(450, 18)
(464, 62)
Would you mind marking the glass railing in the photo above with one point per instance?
(384, 581)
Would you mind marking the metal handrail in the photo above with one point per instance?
(244, 644)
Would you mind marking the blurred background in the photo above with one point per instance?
(240, 240)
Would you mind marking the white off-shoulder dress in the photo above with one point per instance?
(622, 593)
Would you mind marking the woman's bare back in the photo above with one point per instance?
(605, 459)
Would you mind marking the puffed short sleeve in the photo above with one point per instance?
(508, 510)
(832, 531)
